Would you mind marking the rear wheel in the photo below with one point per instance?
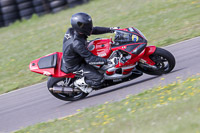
(164, 62)
(73, 96)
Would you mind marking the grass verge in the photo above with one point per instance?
(174, 108)
(162, 21)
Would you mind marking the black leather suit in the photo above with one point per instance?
(76, 56)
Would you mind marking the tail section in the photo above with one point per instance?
(45, 65)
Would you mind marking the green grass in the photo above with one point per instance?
(174, 108)
(162, 21)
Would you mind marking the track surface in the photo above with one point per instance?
(35, 104)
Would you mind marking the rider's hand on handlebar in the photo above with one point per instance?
(113, 29)
(112, 61)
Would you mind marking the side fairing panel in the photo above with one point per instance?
(101, 47)
(132, 48)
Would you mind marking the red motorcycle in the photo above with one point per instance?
(131, 52)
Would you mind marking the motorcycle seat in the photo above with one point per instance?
(48, 62)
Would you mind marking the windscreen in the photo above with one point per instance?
(141, 33)
(133, 35)
(123, 37)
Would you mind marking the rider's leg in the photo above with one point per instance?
(92, 77)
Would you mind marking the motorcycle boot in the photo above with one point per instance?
(95, 85)
(80, 84)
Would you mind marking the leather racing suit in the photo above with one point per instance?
(76, 56)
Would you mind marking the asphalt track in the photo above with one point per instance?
(35, 104)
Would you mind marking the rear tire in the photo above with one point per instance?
(62, 96)
(164, 60)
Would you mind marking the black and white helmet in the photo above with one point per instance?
(82, 23)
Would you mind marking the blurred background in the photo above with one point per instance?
(12, 10)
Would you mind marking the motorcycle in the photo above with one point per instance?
(133, 58)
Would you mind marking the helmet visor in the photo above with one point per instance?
(86, 28)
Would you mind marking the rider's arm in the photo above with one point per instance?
(91, 59)
(101, 30)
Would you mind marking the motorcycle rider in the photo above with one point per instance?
(76, 56)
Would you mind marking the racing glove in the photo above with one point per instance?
(112, 29)
(110, 63)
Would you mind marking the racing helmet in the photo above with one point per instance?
(82, 23)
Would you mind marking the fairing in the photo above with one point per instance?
(101, 47)
(49, 70)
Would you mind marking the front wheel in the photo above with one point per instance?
(73, 96)
(164, 62)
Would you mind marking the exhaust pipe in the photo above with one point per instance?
(61, 89)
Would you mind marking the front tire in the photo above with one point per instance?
(164, 61)
(63, 96)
